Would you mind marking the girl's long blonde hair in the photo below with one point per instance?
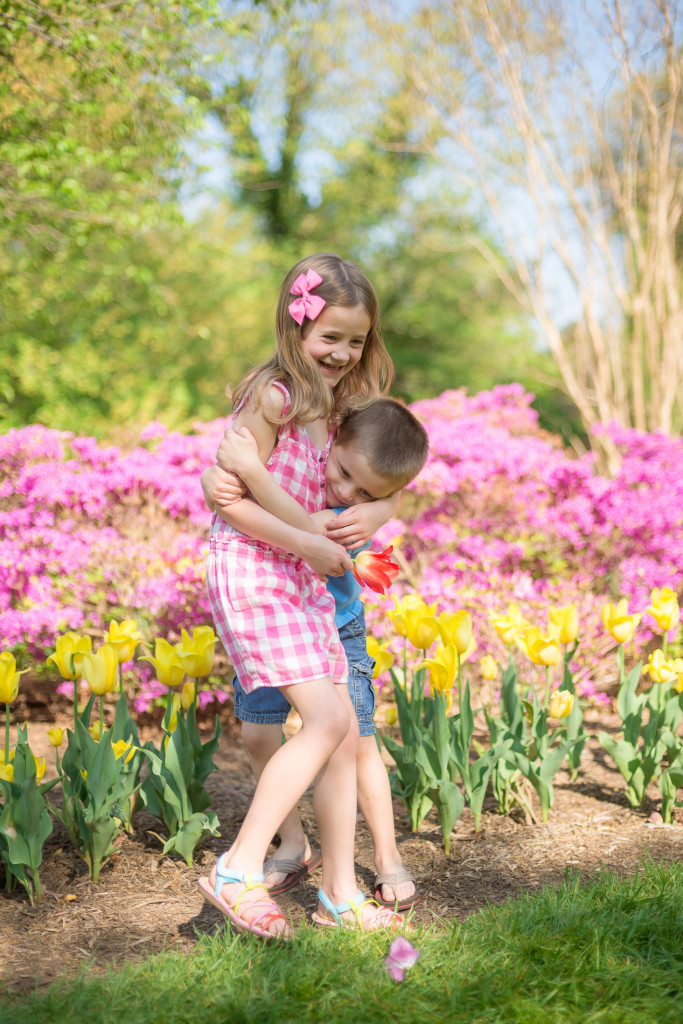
(343, 284)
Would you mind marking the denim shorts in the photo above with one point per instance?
(267, 706)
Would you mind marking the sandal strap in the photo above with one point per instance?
(394, 877)
(337, 909)
(227, 875)
(270, 913)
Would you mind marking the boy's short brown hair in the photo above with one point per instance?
(393, 440)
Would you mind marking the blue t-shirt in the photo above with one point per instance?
(346, 591)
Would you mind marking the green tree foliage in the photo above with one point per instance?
(101, 319)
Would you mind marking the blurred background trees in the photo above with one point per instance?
(566, 119)
(164, 165)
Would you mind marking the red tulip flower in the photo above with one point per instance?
(374, 570)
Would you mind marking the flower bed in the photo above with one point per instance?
(501, 512)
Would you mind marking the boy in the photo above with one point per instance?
(376, 451)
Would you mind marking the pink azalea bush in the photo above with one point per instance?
(500, 513)
(506, 514)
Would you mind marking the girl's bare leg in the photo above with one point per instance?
(262, 741)
(374, 799)
(335, 803)
(284, 779)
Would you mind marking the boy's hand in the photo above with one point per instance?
(356, 525)
(238, 452)
(220, 488)
(325, 557)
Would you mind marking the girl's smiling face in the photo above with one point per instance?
(335, 340)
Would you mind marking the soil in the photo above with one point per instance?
(145, 903)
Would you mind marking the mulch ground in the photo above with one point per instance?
(145, 903)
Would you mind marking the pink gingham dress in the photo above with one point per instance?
(274, 616)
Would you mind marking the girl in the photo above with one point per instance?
(272, 611)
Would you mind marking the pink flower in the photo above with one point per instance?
(402, 955)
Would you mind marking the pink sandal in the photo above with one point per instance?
(384, 918)
(259, 925)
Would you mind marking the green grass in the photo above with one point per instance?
(608, 952)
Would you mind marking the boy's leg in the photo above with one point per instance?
(374, 791)
(374, 800)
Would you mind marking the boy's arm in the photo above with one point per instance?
(355, 526)
(221, 488)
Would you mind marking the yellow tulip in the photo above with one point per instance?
(660, 670)
(543, 650)
(196, 652)
(41, 765)
(55, 736)
(391, 715)
(383, 658)
(456, 628)
(7, 772)
(618, 623)
(123, 637)
(508, 626)
(69, 652)
(169, 668)
(411, 602)
(664, 608)
(187, 694)
(442, 668)
(9, 678)
(466, 655)
(421, 630)
(100, 670)
(94, 731)
(564, 622)
(488, 666)
(678, 669)
(122, 747)
(561, 704)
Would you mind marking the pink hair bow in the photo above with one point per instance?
(308, 305)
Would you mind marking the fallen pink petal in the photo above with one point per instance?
(402, 955)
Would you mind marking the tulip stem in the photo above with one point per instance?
(620, 663)
(120, 677)
(169, 703)
(665, 643)
(196, 694)
(6, 734)
(459, 685)
(75, 706)
(547, 688)
(101, 714)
